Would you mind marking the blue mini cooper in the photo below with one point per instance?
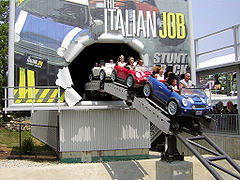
(187, 102)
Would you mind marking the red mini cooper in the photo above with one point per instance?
(132, 78)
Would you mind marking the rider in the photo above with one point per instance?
(186, 82)
(121, 61)
(131, 63)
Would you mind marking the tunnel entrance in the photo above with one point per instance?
(81, 67)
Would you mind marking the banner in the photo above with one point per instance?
(50, 34)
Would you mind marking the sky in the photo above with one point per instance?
(210, 16)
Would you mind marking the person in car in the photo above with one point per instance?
(136, 62)
(171, 82)
(167, 75)
(159, 76)
(168, 71)
(131, 63)
(186, 82)
(155, 70)
(140, 63)
(121, 62)
(111, 61)
(96, 64)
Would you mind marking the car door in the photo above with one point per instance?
(161, 91)
(122, 72)
(125, 72)
(96, 71)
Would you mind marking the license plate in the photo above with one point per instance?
(198, 112)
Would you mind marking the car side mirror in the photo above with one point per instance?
(127, 67)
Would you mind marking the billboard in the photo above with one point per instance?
(51, 36)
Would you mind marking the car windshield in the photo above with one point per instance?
(63, 11)
(109, 64)
(192, 91)
(142, 68)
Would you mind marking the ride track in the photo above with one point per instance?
(171, 127)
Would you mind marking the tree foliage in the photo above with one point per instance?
(4, 16)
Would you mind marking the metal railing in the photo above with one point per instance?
(231, 34)
(29, 95)
(226, 124)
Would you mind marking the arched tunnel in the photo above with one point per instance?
(81, 66)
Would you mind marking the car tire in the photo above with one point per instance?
(102, 75)
(90, 77)
(114, 76)
(147, 90)
(172, 107)
(130, 81)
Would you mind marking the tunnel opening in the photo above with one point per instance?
(80, 68)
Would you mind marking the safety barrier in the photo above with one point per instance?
(20, 125)
(34, 94)
(230, 33)
(226, 124)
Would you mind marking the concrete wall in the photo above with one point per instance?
(94, 130)
(95, 135)
(229, 143)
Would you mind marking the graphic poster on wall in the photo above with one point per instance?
(52, 34)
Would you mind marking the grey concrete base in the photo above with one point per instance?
(104, 155)
(177, 170)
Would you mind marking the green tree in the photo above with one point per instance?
(4, 15)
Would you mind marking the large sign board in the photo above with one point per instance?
(50, 34)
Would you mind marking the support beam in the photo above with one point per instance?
(238, 89)
(11, 50)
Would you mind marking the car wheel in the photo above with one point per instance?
(172, 107)
(114, 76)
(102, 75)
(130, 81)
(90, 77)
(147, 90)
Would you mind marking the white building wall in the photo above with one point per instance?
(48, 135)
(91, 130)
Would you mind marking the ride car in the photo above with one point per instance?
(103, 73)
(187, 102)
(132, 78)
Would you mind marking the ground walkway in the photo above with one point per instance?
(121, 170)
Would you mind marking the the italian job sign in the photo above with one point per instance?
(161, 25)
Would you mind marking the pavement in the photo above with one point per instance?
(121, 170)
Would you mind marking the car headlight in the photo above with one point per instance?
(17, 38)
(208, 102)
(193, 107)
(184, 102)
(138, 75)
(60, 51)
